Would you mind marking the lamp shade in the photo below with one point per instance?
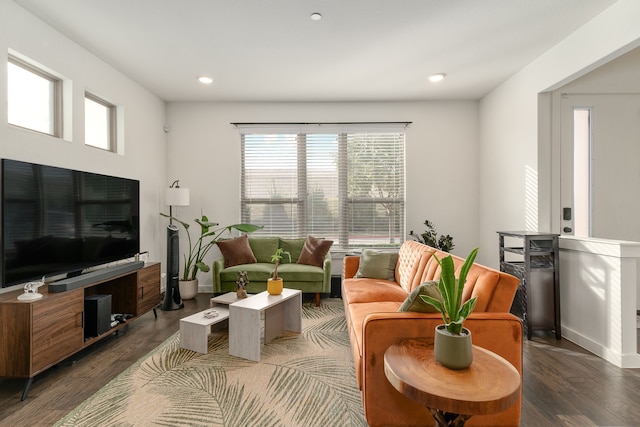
(176, 196)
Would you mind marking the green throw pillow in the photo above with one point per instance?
(294, 247)
(263, 247)
(377, 265)
(415, 303)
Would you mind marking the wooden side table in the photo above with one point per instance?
(490, 385)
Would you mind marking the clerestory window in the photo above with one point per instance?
(34, 98)
(100, 123)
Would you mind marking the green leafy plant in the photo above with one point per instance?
(451, 289)
(275, 258)
(210, 233)
(430, 238)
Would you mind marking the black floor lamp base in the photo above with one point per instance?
(172, 299)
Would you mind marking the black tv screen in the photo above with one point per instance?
(57, 220)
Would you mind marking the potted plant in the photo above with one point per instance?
(430, 238)
(275, 283)
(210, 233)
(452, 342)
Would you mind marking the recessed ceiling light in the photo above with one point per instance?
(315, 16)
(438, 77)
(205, 80)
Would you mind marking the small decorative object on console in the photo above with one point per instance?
(210, 314)
(31, 291)
(242, 282)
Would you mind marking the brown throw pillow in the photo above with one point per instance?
(314, 251)
(236, 251)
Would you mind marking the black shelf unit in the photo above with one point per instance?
(533, 258)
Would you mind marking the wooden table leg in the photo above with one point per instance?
(448, 419)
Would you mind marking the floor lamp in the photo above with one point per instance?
(174, 196)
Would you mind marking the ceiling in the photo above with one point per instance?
(361, 50)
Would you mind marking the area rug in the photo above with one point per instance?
(301, 380)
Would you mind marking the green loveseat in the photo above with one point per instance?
(307, 278)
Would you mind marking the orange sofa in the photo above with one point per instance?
(374, 323)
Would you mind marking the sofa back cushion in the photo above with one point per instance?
(495, 290)
(409, 266)
(263, 247)
(294, 247)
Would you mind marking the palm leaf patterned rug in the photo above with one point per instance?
(301, 380)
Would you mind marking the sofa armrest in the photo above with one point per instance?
(384, 405)
(350, 266)
(218, 266)
(326, 269)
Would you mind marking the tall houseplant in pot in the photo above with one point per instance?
(452, 343)
(210, 233)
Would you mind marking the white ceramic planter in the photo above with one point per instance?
(188, 289)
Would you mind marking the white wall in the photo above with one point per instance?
(516, 174)
(442, 152)
(144, 155)
(518, 138)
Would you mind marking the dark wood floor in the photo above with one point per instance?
(563, 384)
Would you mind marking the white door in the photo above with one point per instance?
(600, 166)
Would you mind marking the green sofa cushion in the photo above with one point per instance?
(413, 302)
(294, 247)
(256, 272)
(377, 265)
(263, 271)
(300, 273)
(263, 247)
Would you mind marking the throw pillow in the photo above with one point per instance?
(263, 247)
(236, 251)
(377, 265)
(314, 250)
(294, 247)
(413, 302)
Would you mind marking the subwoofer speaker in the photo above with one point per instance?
(97, 314)
(172, 299)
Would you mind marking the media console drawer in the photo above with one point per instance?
(57, 329)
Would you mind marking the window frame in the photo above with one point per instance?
(112, 122)
(57, 95)
(347, 239)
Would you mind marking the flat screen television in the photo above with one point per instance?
(57, 220)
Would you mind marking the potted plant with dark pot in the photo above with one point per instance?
(452, 342)
(210, 233)
(275, 284)
(431, 238)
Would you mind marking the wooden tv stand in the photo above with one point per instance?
(35, 335)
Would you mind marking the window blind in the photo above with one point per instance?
(341, 183)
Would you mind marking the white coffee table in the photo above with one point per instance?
(226, 299)
(281, 313)
(195, 329)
